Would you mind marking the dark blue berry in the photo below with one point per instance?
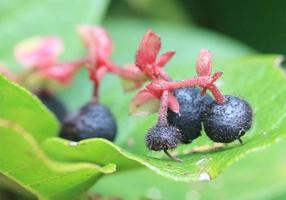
(93, 120)
(229, 121)
(162, 137)
(189, 120)
(53, 104)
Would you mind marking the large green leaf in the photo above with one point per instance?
(243, 181)
(253, 78)
(23, 162)
(21, 107)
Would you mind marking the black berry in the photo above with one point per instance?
(53, 104)
(229, 121)
(162, 137)
(192, 105)
(93, 120)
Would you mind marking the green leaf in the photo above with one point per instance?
(253, 78)
(20, 106)
(244, 180)
(23, 162)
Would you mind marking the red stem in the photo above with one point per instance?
(201, 81)
(163, 108)
(196, 81)
(95, 93)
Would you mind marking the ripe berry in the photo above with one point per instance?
(162, 137)
(228, 121)
(189, 120)
(54, 105)
(93, 120)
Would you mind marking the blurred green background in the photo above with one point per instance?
(229, 28)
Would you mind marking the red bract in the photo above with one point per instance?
(40, 55)
(204, 63)
(39, 52)
(97, 41)
(99, 46)
(132, 77)
(146, 57)
(62, 72)
(147, 100)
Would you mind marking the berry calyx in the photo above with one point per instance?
(189, 119)
(93, 120)
(229, 121)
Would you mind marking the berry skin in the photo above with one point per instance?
(162, 137)
(192, 105)
(229, 121)
(93, 120)
(53, 104)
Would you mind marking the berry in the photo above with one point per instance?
(93, 120)
(229, 121)
(162, 137)
(189, 119)
(53, 104)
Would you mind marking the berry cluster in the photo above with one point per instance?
(184, 106)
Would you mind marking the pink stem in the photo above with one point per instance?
(163, 108)
(196, 81)
(201, 81)
(164, 75)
